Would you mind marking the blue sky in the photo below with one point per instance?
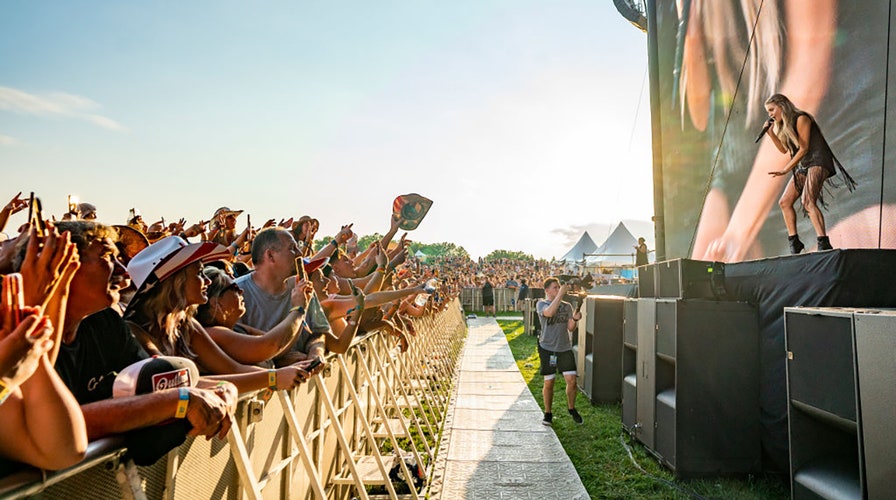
(517, 118)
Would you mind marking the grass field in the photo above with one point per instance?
(598, 448)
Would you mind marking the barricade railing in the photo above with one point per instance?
(505, 299)
(334, 437)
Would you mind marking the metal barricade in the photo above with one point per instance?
(330, 438)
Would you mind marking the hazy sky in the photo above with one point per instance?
(518, 118)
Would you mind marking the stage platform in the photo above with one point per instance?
(861, 278)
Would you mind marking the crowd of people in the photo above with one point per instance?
(210, 311)
(488, 274)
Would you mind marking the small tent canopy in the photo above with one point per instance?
(576, 254)
(617, 250)
(420, 255)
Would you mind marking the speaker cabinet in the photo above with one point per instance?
(629, 357)
(599, 354)
(876, 360)
(647, 276)
(645, 369)
(691, 279)
(606, 320)
(840, 376)
(583, 344)
(706, 387)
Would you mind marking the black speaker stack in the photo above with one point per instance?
(690, 371)
(683, 279)
(841, 388)
(599, 350)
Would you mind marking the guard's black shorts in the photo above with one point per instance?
(566, 362)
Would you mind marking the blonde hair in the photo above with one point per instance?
(786, 128)
(165, 315)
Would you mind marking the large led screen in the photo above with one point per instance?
(718, 61)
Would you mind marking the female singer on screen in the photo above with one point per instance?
(795, 132)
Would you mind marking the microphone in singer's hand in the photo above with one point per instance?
(765, 129)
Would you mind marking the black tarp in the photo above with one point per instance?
(838, 278)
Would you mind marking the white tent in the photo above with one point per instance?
(617, 250)
(420, 255)
(577, 252)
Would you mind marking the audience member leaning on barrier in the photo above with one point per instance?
(170, 286)
(267, 289)
(221, 314)
(41, 421)
(95, 344)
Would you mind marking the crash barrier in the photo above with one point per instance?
(505, 298)
(531, 323)
(333, 437)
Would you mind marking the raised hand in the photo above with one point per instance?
(381, 258)
(301, 293)
(16, 204)
(22, 346)
(344, 234)
(195, 229)
(47, 261)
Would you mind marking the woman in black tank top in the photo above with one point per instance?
(812, 162)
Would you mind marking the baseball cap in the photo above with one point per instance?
(87, 210)
(155, 374)
(147, 445)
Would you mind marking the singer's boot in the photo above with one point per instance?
(796, 246)
(824, 243)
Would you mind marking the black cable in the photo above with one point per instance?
(631, 136)
(883, 171)
(715, 162)
(656, 478)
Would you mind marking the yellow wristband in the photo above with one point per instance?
(182, 403)
(272, 380)
(4, 392)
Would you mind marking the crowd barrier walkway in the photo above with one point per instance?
(497, 447)
(337, 437)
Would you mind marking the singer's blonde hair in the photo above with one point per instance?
(786, 128)
(727, 27)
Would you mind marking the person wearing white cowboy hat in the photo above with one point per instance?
(223, 228)
(170, 284)
(96, 343)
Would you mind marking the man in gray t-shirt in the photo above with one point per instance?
(554, 347)
(266, 291)
(267, 310)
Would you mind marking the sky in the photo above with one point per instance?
(526, 122)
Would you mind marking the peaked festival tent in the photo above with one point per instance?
(617, 250)
(577, 252)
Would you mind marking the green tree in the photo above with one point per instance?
(509, 254)
(365, 241)
(442, 249)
